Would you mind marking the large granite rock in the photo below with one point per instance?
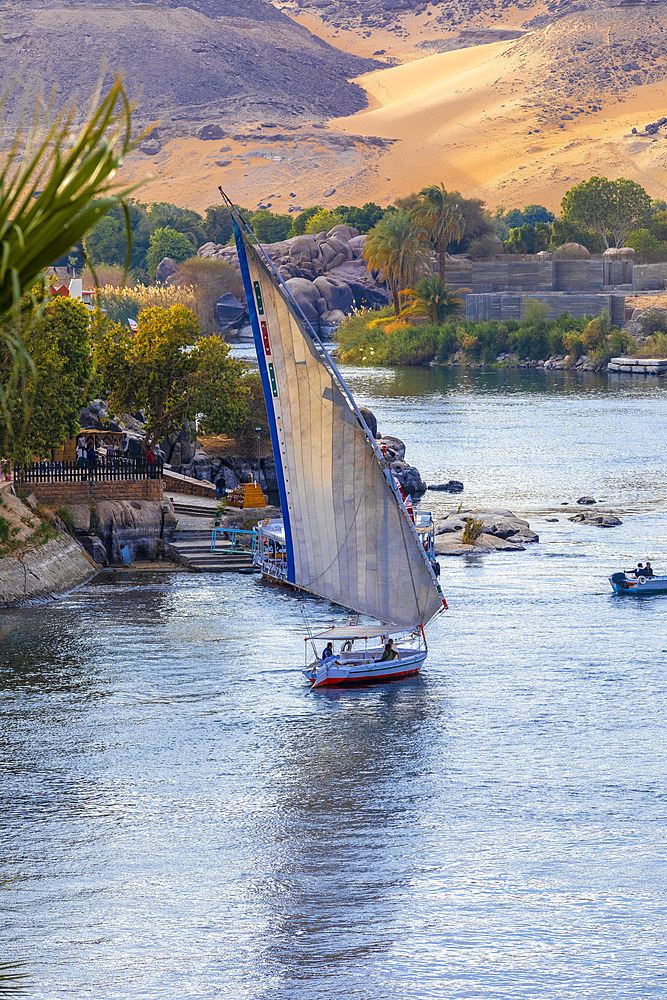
(503, 532)
(598, 520)
(325, 272)
(141, 525)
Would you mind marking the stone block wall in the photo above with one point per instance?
(505, 305)
(176, 483)
(54, 494)
(650, 277)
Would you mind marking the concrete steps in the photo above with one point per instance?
(192, 549)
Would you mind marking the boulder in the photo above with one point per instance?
(497, 523)
(409, 477)
(331, 320)
(452, 486)
(586, 500)
(598, 520)
(308, 298)
(94, 547)
(371, 420)
(211, 132)
(151, 147)
(165, 269)
(136, 524)
(336, 294)
(392, 447)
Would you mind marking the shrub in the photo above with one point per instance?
(473, 529)
(208, 280)
(653, 320)
(65, 515)
(4, 530)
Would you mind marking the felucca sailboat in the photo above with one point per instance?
(345, 534)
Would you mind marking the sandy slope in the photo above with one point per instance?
(510, 122)
(466, 119)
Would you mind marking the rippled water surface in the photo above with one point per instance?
(183, 820)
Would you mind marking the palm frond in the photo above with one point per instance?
(56, 183)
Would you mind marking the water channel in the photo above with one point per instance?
(181, 819)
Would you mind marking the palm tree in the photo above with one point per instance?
(396, 249)
(439, 213)
(56, 183)
(434, 299)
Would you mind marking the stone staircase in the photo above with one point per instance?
(192, 541)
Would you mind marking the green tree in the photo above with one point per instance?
(167, 243)
(106, 243)
(529, 239)
(438, 212)
(563, 231)
(270, 228)
(433, 299)
(363, 219)
(610, 208)
(323, 221)
(46, 412)
(218, 224)
(55, 185)
(171, 373)
(645, 243)
(164, 215)
(396, 248)
(299, 221)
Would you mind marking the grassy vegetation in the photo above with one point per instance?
(472, 531)
(379, 337)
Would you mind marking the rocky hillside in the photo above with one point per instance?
(187, 63)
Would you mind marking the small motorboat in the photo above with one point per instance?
(359, 656)
(628, 583)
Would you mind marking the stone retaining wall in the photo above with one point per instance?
(122, 489)
(176, 483)
(44, 571)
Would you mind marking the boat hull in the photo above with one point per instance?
(373, 672)
(632, 587)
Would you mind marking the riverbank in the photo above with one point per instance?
(38, 560)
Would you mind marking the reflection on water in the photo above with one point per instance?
(188, 821)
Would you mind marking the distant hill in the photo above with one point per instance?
(187, 62)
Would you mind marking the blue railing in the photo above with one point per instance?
(233, 534)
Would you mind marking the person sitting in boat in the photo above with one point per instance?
(640, 570)
(389, 653)
(328, 652)
(648, 570)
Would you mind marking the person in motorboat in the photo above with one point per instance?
(640, 570)
(648, 570)
(389, 653)
(328, 652)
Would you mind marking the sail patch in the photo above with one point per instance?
(272, 378)
(258, 297)
(265, 337)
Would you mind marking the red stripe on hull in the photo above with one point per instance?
(372, 679)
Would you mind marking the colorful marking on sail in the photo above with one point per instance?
(258, 297)
(265, 337)
(274, 384)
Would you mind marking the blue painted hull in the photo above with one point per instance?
(631, 585)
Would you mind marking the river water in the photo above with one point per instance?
(183, 820)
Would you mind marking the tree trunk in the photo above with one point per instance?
(442, 252)
(397, 303)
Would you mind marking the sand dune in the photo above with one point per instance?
(510, 122)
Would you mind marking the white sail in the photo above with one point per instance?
(349, 537)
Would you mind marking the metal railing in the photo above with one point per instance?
(102, 470)
(233, 535)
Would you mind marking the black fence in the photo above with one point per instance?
(104, 470)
